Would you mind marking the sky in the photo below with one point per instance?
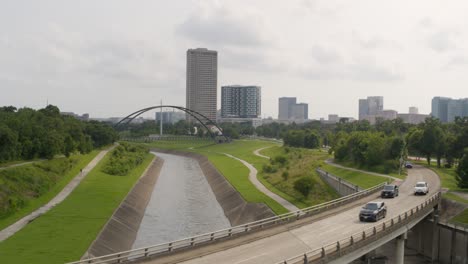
(109, 58)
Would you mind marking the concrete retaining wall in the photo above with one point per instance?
(236, 209)
(439, 242)
(343, 187)
(120, 232)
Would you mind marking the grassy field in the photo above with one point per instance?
(461, 218)
(234, 171)
(300, 163)
(376, 169)
(54, 182)
(454, 197)
(65, 232)
(360, 179)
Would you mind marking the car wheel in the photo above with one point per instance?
(384, 214)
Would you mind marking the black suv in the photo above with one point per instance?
(373, 211)
(389, 191)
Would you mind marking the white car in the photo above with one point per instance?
(421, 188)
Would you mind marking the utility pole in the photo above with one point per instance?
(161, 122)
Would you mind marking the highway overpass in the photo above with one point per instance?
(330, 233)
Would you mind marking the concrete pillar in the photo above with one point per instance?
(400, 249)
(435, 238)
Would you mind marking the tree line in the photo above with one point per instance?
(26, 134)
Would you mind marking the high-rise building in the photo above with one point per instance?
(240, 101)
(300, 112)
(201, 87)
(363, 108)
(285, 105)
(370, 106)
(447, 109)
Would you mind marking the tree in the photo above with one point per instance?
(8, 144)
(304, 185)
(311, 140)
(462, 171)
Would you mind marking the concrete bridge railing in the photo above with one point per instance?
(347, 245)
(229, 232)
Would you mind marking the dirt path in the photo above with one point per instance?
(18, 225)
(253, 178)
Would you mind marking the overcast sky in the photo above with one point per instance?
(110, 58)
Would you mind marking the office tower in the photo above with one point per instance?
(363, 108)
(240, 101)
(285, 105)
(375, 104)
(370, 106)
(300, 112)
(201, 87)
(440, 108)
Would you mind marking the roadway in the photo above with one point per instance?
(294, 241)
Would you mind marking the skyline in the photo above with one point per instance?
(110, 60)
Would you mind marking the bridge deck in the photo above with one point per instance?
(279, 243)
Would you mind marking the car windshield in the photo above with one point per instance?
(420, 185)
(388, 188)
(371, 206)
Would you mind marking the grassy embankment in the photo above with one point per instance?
(299, 163)
(376, 169)
(28, 187)
(448, 181)
(65, 232)
(360, 179)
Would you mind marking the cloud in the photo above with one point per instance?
(336, 67)
(325, 56)
(457, 61)
(221, 26)
(442, 40)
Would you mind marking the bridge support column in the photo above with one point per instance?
(400, 249)
(435, 237)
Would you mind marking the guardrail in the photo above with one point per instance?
(228, 232)
(367, 236)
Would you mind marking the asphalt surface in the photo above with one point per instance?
(290, 243)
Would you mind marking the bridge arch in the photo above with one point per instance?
(202, 119)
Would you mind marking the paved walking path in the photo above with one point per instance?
(257, 152)
(330, 162)
(253, 178)
(18, 225)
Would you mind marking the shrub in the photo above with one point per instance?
(285, 175)
(281, 160)
(304, 185)
(124, 158)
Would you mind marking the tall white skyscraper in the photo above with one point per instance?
(202, 78)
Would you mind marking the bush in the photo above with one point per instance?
(304, 185)
(285, 175)
(124, 158)
(269, 168)
(281, 160)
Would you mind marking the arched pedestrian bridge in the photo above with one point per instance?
(326, 233)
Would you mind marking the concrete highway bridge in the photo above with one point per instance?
(325, 233)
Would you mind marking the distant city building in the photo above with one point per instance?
(413, 118)
(290, 110)
(201, 87)
(370, 106)
(240, 101)
(413, 110)
(446, 109)
(285, 105)
(300, 112)
(333, 118)
(170, 117)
